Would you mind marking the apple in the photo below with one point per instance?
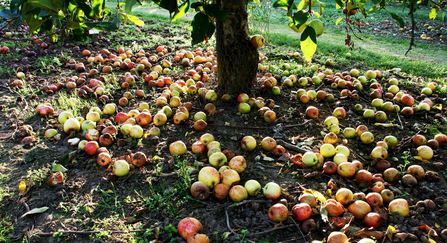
(269, 116)
(198, 147)
(248, 143)
(272, 191)
(407, 111)
(120, 168)
(86, 125)
(230, 177)
(344, 196)
(244, 108)
(359, 209)
(391, 175)
(337, 237)
(329, 168)
(387, 195)
(330, 138)
(49, 133)
(177, 148)
(217, 159)
(209, 175)
(327, 150)
(71, 125)
(432, 143)
(399, 205)
(374, 199)
(441, 138)
(206, 138)
(278, 213)
(378, 186)
(391, 141)
(333, 208)
(358, 165)
(343, 150)
(238, 164)
(312, 112)
(339, 112)
(189, 226)
(309, 199)
(373, 220)
(303, 81)
(329, 121)
(363, 178)
(379, 152)
(301, 211)
(346, 169)
(144, 118)
(243, 98)
(407, 99)
(361, 129)
(200, 190)
(92, 134)
(109, 109)
(349, 132)
(125, 129)
(221, 191)
(64, 116)
(136, 132)
(200, 116)
(160, 119)
(211, 96)
(425, 152)
(354, 72)
(380, 116)
(408, 180)
(93, 116)
(368, 114)
(370, 74)
(359, 196)
(310, 159)
(417, 171)
(238, 193)
(268, 143)
(103, 159)
(367, 137)
(121, 117)
(253, 187)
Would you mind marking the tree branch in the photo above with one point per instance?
(413, 26)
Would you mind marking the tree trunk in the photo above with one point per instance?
(237, 58)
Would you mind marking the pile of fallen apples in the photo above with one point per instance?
(101, 128)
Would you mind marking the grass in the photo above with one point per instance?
(372, 53)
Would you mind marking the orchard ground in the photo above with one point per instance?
(152, 199)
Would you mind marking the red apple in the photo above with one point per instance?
(359, 209)
(333, 208)
(330, 168)
(373, 220)
(177, 148)
(312, 112)
(417, 171)
(278, 213)
(238, 193)
(301, 211)
(238, 164)
(198, 147)
(308, 199)
(91, 147)
(399, 205)
(339, 112)
(344, 196)
(272, 191)
(268, 143)
(407, 100)
(374, 199)
(188, 226)
(346, 169)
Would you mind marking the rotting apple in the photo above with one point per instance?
(200, 191)
(188, 226)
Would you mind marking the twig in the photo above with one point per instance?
(401, 126)
(95, 232)
(271, 230)
(289, 146)
(299, 229)
(358, 156)
(298, 125)
(228, 223)
(241, 127)
(413, 26)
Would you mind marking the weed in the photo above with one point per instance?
(242, 236)
(171, 230)
(110, 201)
(403, 167)
(37, 176)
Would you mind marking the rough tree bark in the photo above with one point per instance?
(237, 58)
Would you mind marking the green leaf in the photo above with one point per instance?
(200, 25)
(46, 5)
(46, 26)
(338, 20)
(183, 9)
(373, 9)
(433, 13)
(196, 5)
(281, 4)
(83, 6)
(98, 7)
(129, 5)
(101, 26)
(5, 13)
(339, 4)
(376, 1)
(58, 167)
(302, 5)
(211, 29)
(14, 6)
(170, 5)
(35, 210)
(67, 158)
(264, 241)
(323, 213)
(135, 19)
(398, 19)
(309, 42)
(300, 17)
(216, 11)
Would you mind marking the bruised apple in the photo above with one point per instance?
(333, 207)
(188, 226)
